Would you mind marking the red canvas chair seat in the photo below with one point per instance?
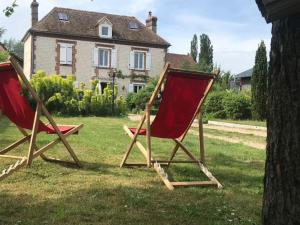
(15, 106)
(181, 97)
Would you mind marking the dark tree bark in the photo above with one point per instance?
(281, 200)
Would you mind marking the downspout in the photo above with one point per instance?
(32, 58)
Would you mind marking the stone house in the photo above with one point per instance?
(90, 45)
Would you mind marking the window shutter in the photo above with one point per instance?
(69, 54)
(63, 54)
(95, 57)
(148, 61)
(130, 88)
(114, 59)
(131, 60)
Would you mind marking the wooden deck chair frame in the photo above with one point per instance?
(34, 151)
(147, 152)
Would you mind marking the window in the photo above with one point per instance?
(133, 25)
(139, 60)
(135, 87)
(104, 57)
(104, 31)
(66, 57)
(63, 17)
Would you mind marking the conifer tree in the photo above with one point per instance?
(206, 54)
(259, 83)
(194, 48)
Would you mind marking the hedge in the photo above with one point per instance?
(62, 98)
(227, 105)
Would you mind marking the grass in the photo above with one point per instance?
(103, 193)
(244, 122)
(242, 137)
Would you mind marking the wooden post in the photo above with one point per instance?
(34, 133)
(148, 135)
(201, 138)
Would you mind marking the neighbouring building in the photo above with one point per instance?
(90, 44)
(179, 61)
(243, 80)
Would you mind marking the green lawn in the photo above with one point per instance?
(103, 193)
(244, 122)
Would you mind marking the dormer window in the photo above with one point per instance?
(63, 17)
(105, 28)
(104, 31)
(133, 25)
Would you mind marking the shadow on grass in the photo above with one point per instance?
(101, 204)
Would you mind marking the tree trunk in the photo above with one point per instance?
(281, 200)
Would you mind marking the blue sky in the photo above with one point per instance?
(235, 27)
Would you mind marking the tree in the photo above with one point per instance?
(9, 10)
(206, 54)
(14, 46)
(259, 83)
(194, 48)
(281, 197)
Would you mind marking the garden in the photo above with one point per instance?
(103, 193)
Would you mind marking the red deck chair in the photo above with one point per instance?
(16, 107)
(183, 95)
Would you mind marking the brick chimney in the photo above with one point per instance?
(34, 12)
(151, 22)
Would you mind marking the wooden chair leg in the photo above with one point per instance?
(34, 134)
(172, 155)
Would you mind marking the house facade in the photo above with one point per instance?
(243, 80)
(90, 45)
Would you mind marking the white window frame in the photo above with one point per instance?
(112, 60)
(136, 87)
(109, 30)
(102, 64)
(66, 53)
(139, 65)
(146, 60)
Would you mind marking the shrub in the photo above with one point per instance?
(137, 101)
(60, 97)
(213, 106)
(237, 106)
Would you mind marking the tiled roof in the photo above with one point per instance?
(247, 73)
(178, 60)
(83, 24)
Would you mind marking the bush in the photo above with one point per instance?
(137, 101)
(213, 106)
(60, 97)
(237, 106)
(227, 105)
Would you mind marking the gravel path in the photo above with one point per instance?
(260, 133)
